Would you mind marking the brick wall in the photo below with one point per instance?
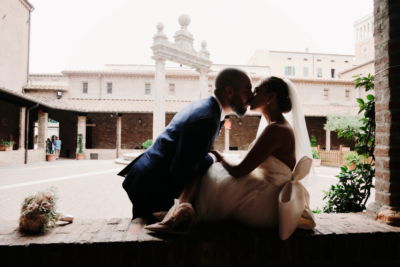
(243, 132)
(104, 133)
(387, 91)
(136, 128)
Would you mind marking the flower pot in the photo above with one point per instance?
(51, 157)
(2, 147)
(80, 156)
(316, 162)
(352, 166)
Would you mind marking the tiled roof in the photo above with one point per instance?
(147, 106)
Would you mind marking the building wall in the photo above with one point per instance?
(364, 44)
(312, 93)
(14, 33)
(133, 87)
(278, 60)
(363, 70)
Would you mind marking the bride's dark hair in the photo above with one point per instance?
(280, 87)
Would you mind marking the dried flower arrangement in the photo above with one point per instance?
(38, 212)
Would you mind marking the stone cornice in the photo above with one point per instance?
(28, 5)
(309, 53)
(321, 81)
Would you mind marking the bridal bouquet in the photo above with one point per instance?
(38, 212)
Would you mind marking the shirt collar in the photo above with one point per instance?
(220, 107)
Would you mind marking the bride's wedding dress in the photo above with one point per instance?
(271, 195)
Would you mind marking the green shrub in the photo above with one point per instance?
(315, 154)
(80, 144)
(313, 141)
(352, 191)
(146, 144)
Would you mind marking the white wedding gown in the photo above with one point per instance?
(271, 195)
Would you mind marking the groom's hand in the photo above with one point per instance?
(217, 155)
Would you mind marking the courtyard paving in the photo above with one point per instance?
(91, 189)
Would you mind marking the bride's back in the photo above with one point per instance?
(285, 150)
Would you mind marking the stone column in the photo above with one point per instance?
(159, 99)
(386, 207)
(203, 83)
(119, 124)
(43, 118)
(81, 129)
(227, 127)
(328, 140)
(22, 121)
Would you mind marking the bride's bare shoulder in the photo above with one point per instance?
(279, 129)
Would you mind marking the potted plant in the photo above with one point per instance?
(316, 158)
(351, 159)
(50, 153)
(79, 153)
(6, 145)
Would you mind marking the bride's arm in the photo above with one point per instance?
(265, 145)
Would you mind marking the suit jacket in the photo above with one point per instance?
(181, 150)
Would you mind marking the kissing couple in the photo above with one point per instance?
(179, 180)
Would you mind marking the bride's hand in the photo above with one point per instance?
(218, 155)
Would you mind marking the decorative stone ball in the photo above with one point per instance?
(203, 44)
(160, 26)
(184, 20)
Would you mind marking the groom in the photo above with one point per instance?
(159, 175)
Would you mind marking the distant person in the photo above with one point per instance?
(49, 146)
(57, 146)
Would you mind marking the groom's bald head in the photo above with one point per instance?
(233, 90)
(229, 78)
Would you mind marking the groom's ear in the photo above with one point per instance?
(229, 92)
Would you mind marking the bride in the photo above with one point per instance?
(262, 190)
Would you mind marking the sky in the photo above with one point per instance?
(87, 34)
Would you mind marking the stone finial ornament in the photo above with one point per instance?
(184, 21)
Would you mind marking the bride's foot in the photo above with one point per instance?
(178, 219)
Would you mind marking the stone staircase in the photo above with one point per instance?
(128, 157)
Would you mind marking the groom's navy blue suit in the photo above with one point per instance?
(158, 176)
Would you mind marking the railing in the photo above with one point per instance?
(333, 157)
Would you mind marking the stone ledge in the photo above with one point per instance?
(337, 239)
